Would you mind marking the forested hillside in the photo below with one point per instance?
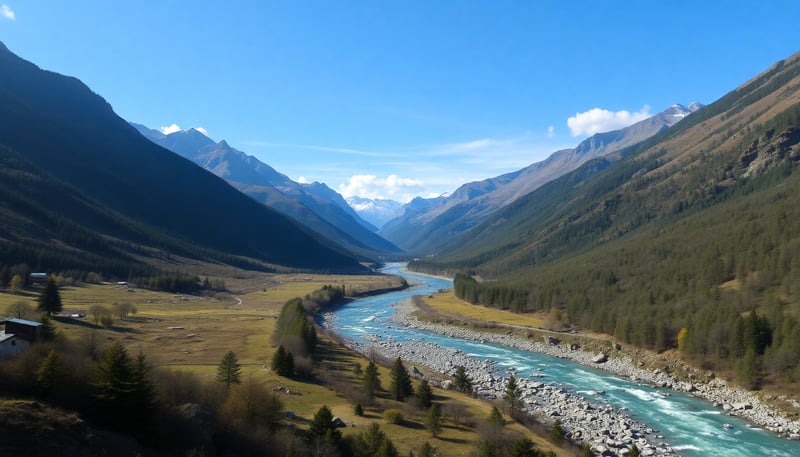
(83, 188)
(690, 240)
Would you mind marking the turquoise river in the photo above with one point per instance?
(692, 426)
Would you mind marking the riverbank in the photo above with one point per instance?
(603, 427)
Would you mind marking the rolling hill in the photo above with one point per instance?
(83, 187)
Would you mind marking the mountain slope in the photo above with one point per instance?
(72, 136)
(473, 202)
(314, 205)
(688, 241)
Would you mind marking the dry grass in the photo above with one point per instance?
(192, 333)
(447, 305)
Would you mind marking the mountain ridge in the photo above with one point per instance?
(72, 135)
(471, 203)
(314, 205)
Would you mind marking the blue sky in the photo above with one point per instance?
(395, 99)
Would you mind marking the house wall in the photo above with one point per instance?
(27, 332)
(12, 347)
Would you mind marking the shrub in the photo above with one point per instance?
(393, 416)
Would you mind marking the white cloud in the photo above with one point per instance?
(166, 130)
(302, 180)
(201, 130)
(7, 12)
(392, 187)
(602, 120)
(551, 131)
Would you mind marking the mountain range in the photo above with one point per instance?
(687, 241)
(423, 230)
(314, 205)
(84, 189)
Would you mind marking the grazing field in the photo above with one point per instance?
(192, 333)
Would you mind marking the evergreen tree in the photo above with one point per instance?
(462, 381)
(373, 442)
(513, 396)
(424, 394)
(50, 300)
(229, 370)
(50, 372)
(523, 447)
(557, 433)
(370, 382)
(400, 386)
(496, 418)
(123, 389)
(426, 450)
(47, 331)
(283, 362)
(433, 421)
(144, 391)
(634, 451)
(322, 427)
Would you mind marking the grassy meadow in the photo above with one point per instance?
(192, 333)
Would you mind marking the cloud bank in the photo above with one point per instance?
(598, 120)
(392, 187)
(7, 12)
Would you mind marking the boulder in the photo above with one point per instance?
(600, 358)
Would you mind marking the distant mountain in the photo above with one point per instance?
(377, 211)
(472, 203)
(83, 189)
(686, 241)
(314, 205)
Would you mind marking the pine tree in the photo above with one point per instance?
(50, 300)
(634, 451)
(47, 331)
(372, 442)
(283, 362)
(400, 386)
(424, 394)
(371, 382)
(229, 370)
(426, 450)
(433, 421)
(523, 447)
(496, 418)
(557, 433)
(513, 396)
(322, 427)
(49, 373)
(462, 381)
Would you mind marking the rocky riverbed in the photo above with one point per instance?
(609, 431)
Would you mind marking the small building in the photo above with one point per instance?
(17, 336)
(25, 329)
(38, 278)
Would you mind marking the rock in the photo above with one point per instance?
(552, 341)
(741, 406)
(600, 358)
(617, 346)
